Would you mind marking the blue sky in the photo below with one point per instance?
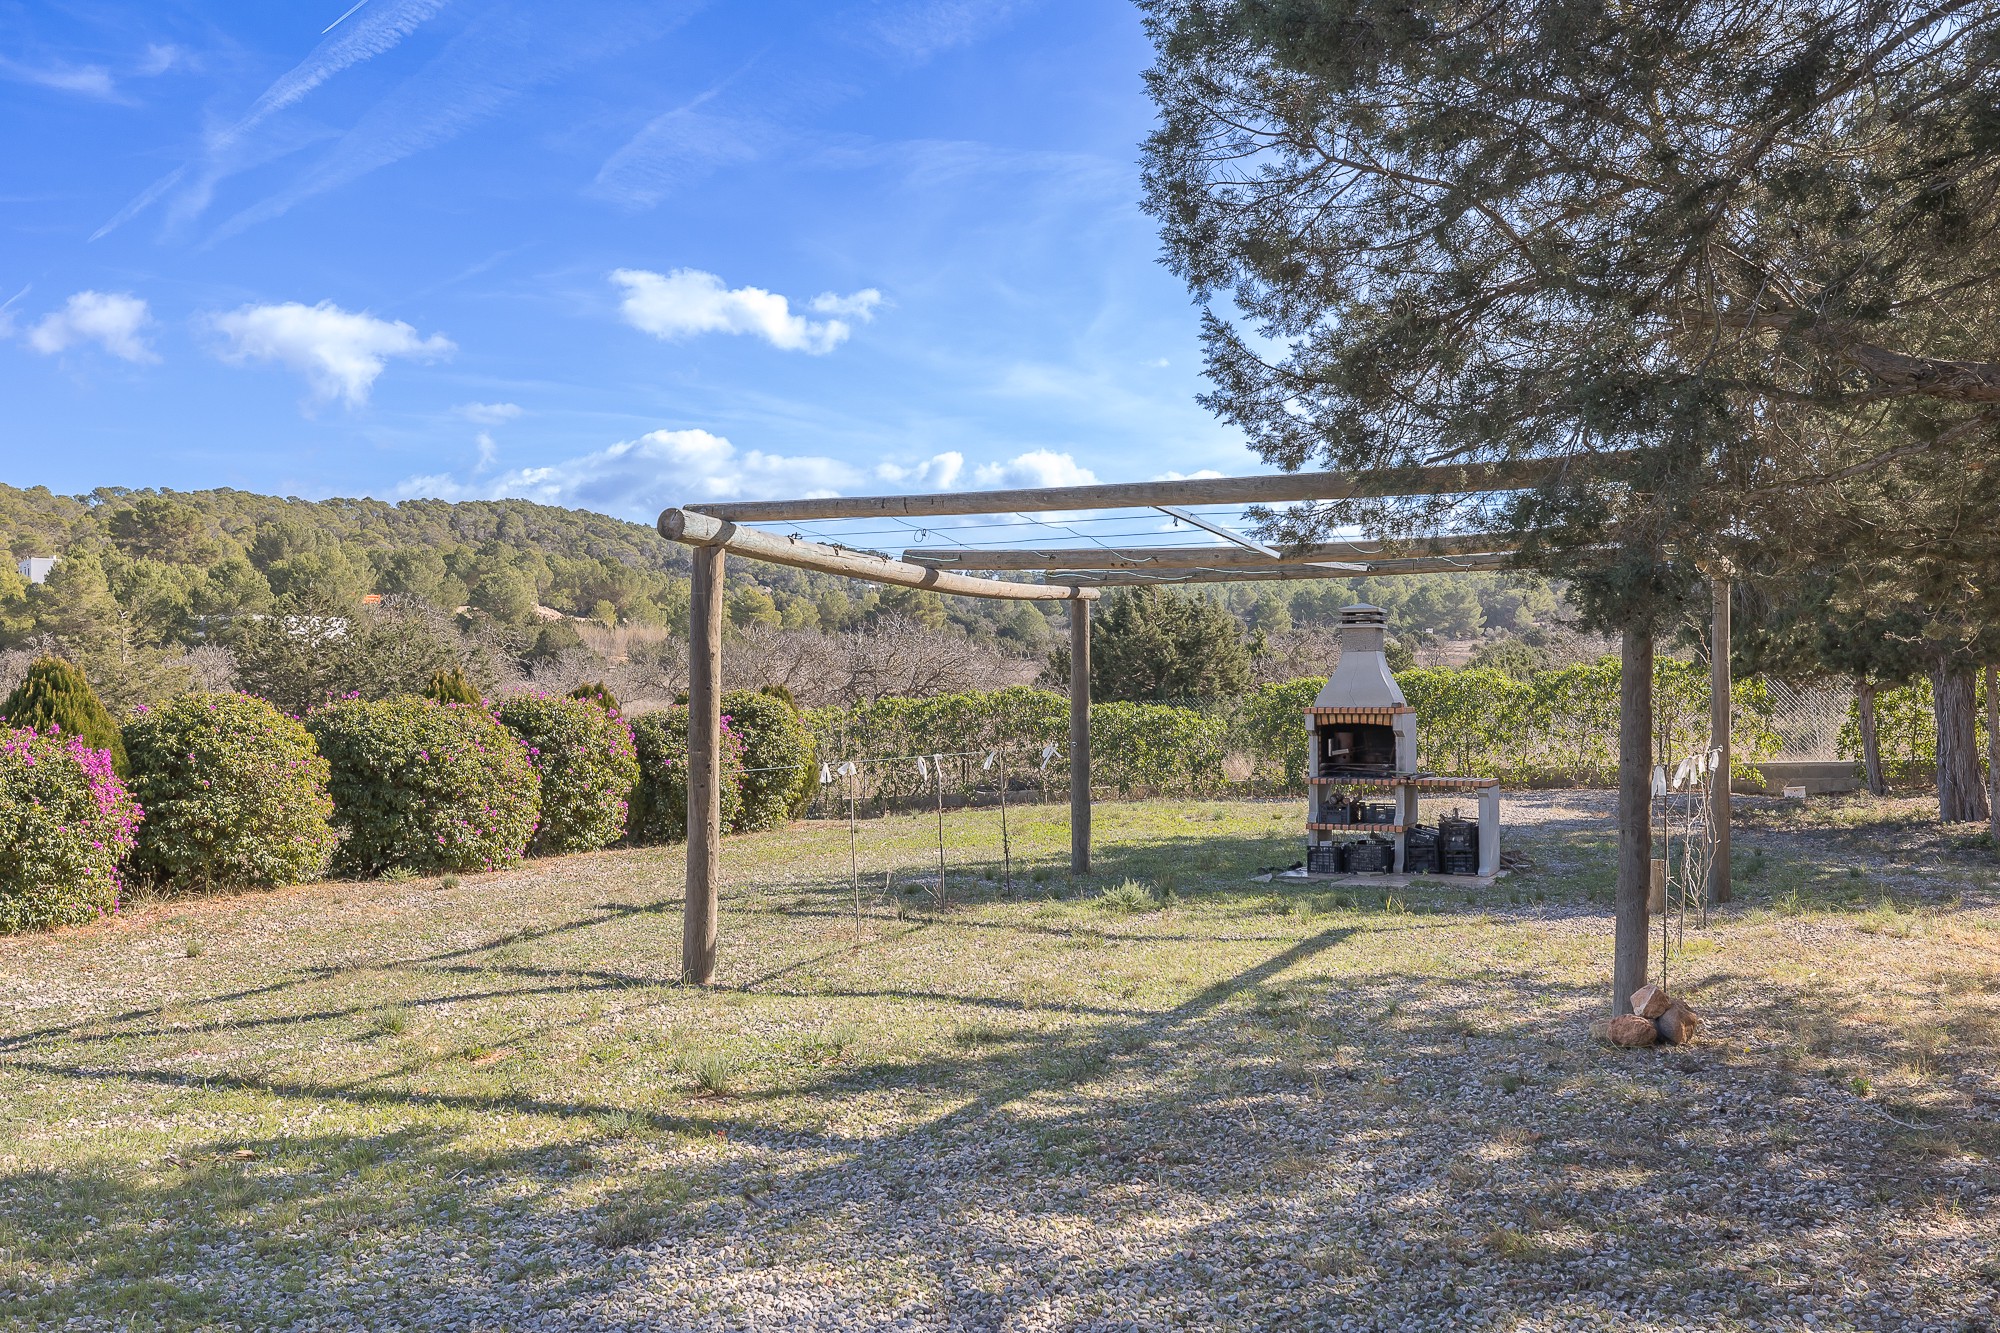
(613, 255)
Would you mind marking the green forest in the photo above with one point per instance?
(156, 591)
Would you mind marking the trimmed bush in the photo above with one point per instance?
(777, 756)
(659, 809)
(424, 787)
(56, 698)
(235, 794)
(65, 823)
(588, 769)
(451, 687)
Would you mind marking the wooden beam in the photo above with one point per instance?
(1204, 557)
(704, 788)
(1720, 716)
(703, 531)
(1131, 578)
(1276, 488)
(1079, 738)
(1635, 819)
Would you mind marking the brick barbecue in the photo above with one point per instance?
(1362, 814)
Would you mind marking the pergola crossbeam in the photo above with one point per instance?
(1133, 578)
(1205, 557)
(703, 530)
(1276, 488)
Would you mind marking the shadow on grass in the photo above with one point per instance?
(1368, 1141)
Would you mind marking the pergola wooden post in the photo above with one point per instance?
(1079, 738)
(704, 761)
(1720, 709)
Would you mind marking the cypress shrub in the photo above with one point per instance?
(451, 687)
(598, 693)
(424, 787)
(659, 808)
(56, 697)
(65, 823)
(584, 756)
(777, 756)
(235, 794)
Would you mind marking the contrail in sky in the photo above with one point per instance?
(342, 19)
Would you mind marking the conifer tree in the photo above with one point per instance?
(55, 695)
(449, 686)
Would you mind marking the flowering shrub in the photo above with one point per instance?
(588, 768)
(659, 813)
(777, 757)
(65, 823)
(234, 791)
(424, 786)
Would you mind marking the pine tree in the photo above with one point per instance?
(1164, 644)
(56, 696)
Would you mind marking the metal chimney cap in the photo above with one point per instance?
(1363, 614)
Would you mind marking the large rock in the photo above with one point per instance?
(1650, 1001)
(1632, 1030)
(1679, 1024)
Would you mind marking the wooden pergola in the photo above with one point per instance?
(1074, 575)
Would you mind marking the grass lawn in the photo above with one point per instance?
(1190, 1100)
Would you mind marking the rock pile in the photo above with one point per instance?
(1656, 1016)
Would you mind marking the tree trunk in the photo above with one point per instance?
(1961, 793)
(1993, 751)
(1871, 748)
(1635, 818)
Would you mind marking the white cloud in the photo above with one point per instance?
(688, 301)
(489, 414)
(638, 478)
(340, 352)
(937, 473)
(488, 451)
(114, 319)
(920, 29)
(88, 80)
(164, 56)
(1038, 467)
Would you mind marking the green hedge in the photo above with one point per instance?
(584, 756)
(659, 808)
(777, 756)
(424, 787)
(65, 823)
(235, 794)
(1558, 725)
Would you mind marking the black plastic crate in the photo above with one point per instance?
(1420, 851)
(1336, 810)
(1375, 812)
(1371, 856)
(1324, 858)
(1458, 835)
(1461, 863)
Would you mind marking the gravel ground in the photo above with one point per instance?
(1254, 1107)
